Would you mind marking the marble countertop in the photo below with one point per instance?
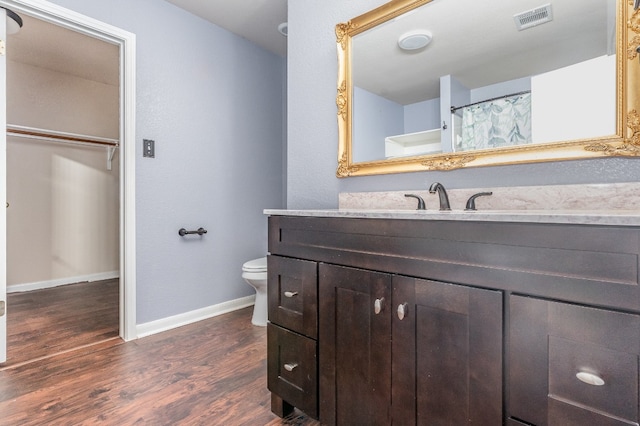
(582, 217)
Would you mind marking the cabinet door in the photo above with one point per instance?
(447, 354)
(572, 365)
(354, 346)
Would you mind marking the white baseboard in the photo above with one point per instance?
(164, 324)
(39, 285)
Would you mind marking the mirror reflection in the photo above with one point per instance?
(458, 76)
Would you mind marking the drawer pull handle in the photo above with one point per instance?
(290, 367)
(378, 305)
(290, 293)
(403, 310)
(589, 378)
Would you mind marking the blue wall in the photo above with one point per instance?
(313, 135)
(374, 119)
(212, 101)
(422, 116)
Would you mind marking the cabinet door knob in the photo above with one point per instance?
(403, 311)
(290, 293)
(290, 366)
(590, 378)
(378, 305)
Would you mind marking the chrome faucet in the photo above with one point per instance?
(442, 193)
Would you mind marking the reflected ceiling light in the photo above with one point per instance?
(414, 40)
(283, 29)
(14, 21)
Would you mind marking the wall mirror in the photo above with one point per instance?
(446, 84)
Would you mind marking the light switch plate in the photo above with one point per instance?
(148, 148)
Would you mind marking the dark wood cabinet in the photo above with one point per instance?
(412, 322)
(572, 365)
(446, 354)
(407, 351)
(355, 355)
(292, 365)
(292, 371)
(293, 294)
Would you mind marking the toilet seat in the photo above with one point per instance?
(255, 265)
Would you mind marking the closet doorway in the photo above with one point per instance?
(69, 228)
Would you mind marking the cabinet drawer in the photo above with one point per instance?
(617, 395)
(292, 368)
(293, 294)
(551, 344)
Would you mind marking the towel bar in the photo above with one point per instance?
(200, 231)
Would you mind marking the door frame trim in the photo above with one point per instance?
(127, 42)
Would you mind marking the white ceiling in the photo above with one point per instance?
(46, 45)
(42, 44)
(255, 20)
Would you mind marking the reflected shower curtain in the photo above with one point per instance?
(496, 123)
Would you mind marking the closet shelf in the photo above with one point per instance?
(64, 137)
(55, 136)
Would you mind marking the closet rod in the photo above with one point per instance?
(35, 133)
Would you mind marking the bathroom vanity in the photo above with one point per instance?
(409, 317)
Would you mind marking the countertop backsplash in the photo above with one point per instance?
(617, 196)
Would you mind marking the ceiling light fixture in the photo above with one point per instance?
(14, 21)
(283, 29)
(415, 40)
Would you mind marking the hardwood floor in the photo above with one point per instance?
(209, 373)
(46, 322)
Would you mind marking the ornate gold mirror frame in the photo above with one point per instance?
(625, 143)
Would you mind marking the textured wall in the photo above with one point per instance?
(212, 102)
(62, 224)
(312, 131)
(47, 99)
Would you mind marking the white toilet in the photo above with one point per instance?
(255, 273)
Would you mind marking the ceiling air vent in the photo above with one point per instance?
(533, 17)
